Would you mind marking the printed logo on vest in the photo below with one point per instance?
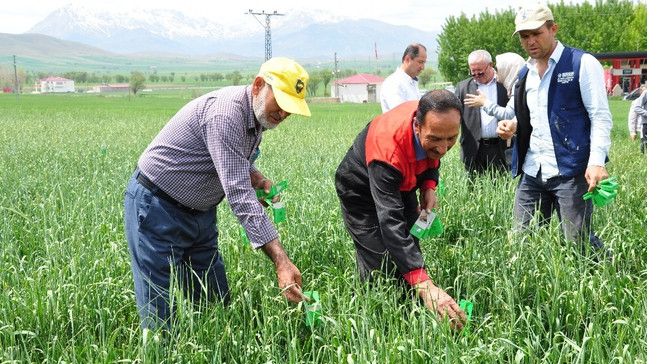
(565, 77)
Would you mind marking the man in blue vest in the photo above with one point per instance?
(563, 130)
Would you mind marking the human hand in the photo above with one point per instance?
(633, 137)
(288, 274)
(505, 129)
(428, 200)
(594, 175)
(477, 100)
(440, 302)
(290, 282)
(266, 185)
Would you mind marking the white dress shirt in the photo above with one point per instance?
(488, 122)
(398, 88)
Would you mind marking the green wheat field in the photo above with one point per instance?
(66, 292)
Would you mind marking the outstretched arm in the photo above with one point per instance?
(491, 108)
(443, 304)
(288, 274)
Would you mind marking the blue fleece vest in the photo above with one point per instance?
(569, 122)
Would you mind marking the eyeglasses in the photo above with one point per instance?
(480, 74)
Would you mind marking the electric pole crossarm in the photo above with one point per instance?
(268, 29)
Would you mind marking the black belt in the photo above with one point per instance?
(489, 141)
(144, 181)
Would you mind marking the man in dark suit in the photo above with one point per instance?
(481, 147)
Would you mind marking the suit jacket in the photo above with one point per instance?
(471, 120)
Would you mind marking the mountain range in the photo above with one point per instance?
(300, 34)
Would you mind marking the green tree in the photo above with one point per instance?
(326, 76)
(8, 78)
(425, 76)
(346, 72)
(234, 77)
(458, 40)
(454, 43)
(313, 83)
(77, 76)
(599, 27)
(94, 78)
(605, 26)
(137, 82)
(635, 35)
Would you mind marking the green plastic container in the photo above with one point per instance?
(313, 308)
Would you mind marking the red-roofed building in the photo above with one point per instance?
(359, 88)
(55, 84)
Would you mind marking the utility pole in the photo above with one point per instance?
(268, 30)
(15, 77)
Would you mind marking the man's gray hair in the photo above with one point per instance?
(479, 55)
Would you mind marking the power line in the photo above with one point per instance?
(268, 30)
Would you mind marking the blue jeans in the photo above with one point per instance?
(168, 244)
(560, 194)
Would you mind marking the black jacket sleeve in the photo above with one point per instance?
(385, 189)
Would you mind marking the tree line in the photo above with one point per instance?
(605, 26)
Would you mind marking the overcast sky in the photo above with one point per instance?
(18, 16)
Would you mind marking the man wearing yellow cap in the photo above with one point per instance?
(205, 153)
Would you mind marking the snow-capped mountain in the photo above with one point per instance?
(299, 34)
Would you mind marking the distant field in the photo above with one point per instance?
(65, 268)
(188, 66)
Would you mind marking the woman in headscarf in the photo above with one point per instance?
(508, 66)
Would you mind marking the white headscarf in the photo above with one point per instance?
(507, 68)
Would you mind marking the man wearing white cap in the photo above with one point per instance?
(563, 130)
(205, 153)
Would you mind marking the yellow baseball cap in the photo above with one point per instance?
(289, 81)
(532, 18)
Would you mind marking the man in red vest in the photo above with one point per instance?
(396, 155)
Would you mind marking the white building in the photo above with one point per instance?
(359, 88)
(121, 87)
(55, 84)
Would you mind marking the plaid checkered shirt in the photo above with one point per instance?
(206, 152)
